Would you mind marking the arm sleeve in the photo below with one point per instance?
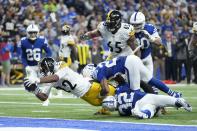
(47, 48)
(154, 32)
(23, 54)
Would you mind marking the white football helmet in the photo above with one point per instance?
(109, 103)
(32, 31)
(88, 70)
(137, 19)
(194, 28)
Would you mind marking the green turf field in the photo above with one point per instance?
(14, 102)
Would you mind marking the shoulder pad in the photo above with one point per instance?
(63, 64)
(150, 28)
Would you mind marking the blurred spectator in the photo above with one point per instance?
(96, 52)
(49, 32)
(193, 50)
(5, 48)
(170, 62)
(159, 55)
(181, 52)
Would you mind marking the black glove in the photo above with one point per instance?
(31, 87)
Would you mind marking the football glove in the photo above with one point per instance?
(148, 36)
(84, 37)
(29, 86)
(75, 65)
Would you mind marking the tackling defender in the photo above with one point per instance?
(135, 70)
(139, 104)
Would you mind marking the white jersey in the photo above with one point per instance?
(71, 82)
(117, 42)
(65, 41)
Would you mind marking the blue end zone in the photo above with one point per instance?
(88, 124)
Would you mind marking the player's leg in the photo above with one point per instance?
(133, 72)
(146, 107)
(147, 76)
(165, 101)
(148, 63)
(143, 109)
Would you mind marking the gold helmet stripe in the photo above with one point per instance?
(108, 15)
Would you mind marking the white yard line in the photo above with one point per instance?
(34, 103)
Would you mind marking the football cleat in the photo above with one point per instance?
(180, 102)
(176, 94)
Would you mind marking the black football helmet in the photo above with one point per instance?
(47, 66)
(113, 21)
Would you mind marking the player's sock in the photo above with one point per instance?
(160, 85)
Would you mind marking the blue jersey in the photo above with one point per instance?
(127, 99)
(31, 53)
(142, 39)
(108, 69)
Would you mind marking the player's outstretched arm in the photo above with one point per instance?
(42, 96)
(33, 88)
(90, 35)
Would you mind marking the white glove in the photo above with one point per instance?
(75, 65)
(148, 36)
(53, 17)
(34, 80)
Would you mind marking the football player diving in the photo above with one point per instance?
(60, 76)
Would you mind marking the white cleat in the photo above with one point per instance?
(46, 103)
(182, 103)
